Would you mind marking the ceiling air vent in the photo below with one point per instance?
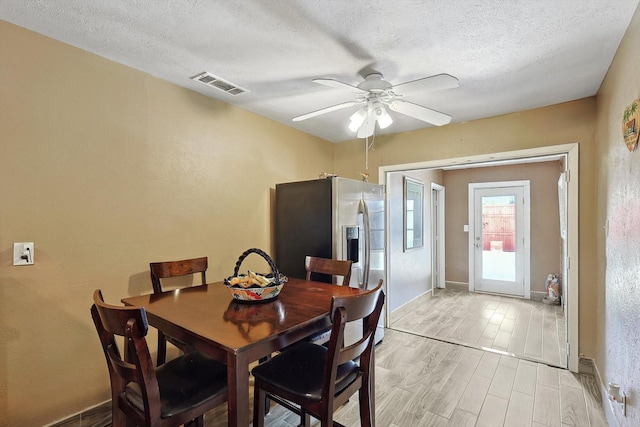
(218, 83)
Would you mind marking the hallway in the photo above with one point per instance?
(528, 329)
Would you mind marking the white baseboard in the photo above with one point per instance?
(457, 285)
(537, 295)
(610, 409)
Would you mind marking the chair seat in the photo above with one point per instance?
(299, 371)
(184, 383)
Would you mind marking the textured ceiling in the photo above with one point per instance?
(508, 55)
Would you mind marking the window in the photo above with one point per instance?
(413, 205)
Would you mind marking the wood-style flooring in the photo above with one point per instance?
(526, 328)
(425, 382)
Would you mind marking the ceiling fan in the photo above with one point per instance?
(375, 94)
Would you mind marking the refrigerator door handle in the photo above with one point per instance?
(364, 210)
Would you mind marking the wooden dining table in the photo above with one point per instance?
(237, 334)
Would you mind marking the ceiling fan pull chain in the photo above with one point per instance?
(368, 147)
(366, 153)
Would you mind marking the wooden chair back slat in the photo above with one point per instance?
(165, 269)
(333, 267)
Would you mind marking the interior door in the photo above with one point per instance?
(437, 237)
(499, 238)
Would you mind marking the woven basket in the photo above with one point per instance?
(256, 293)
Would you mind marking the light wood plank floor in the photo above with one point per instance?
(425, 382)
(528, 329)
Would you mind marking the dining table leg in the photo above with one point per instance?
(238, 387)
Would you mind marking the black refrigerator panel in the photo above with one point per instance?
(303, 225)
(336, 218)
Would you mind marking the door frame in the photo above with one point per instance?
(570, 152)
(526, 246)
(437, 244)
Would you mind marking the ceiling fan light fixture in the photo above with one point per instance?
(382, 116)
(357, 119)
(385, 121)
(367, 128)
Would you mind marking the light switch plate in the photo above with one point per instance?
(23, 253)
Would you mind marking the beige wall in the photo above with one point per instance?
(617, 312)
(545, 222)
(106, 169)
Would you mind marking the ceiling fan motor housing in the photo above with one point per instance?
(374, 83)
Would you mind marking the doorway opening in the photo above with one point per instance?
(569, 155)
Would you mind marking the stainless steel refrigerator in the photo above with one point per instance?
(335, 218)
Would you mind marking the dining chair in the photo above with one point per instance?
(180, 391)
(334, 267)
(164, 270)
(322, 378)
(325, 266)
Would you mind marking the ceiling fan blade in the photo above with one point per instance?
(325, 110)
(419, 112)
(437, 82)
(338, 85)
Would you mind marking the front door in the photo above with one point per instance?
(499, 238)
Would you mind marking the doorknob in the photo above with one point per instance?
(477, 242)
